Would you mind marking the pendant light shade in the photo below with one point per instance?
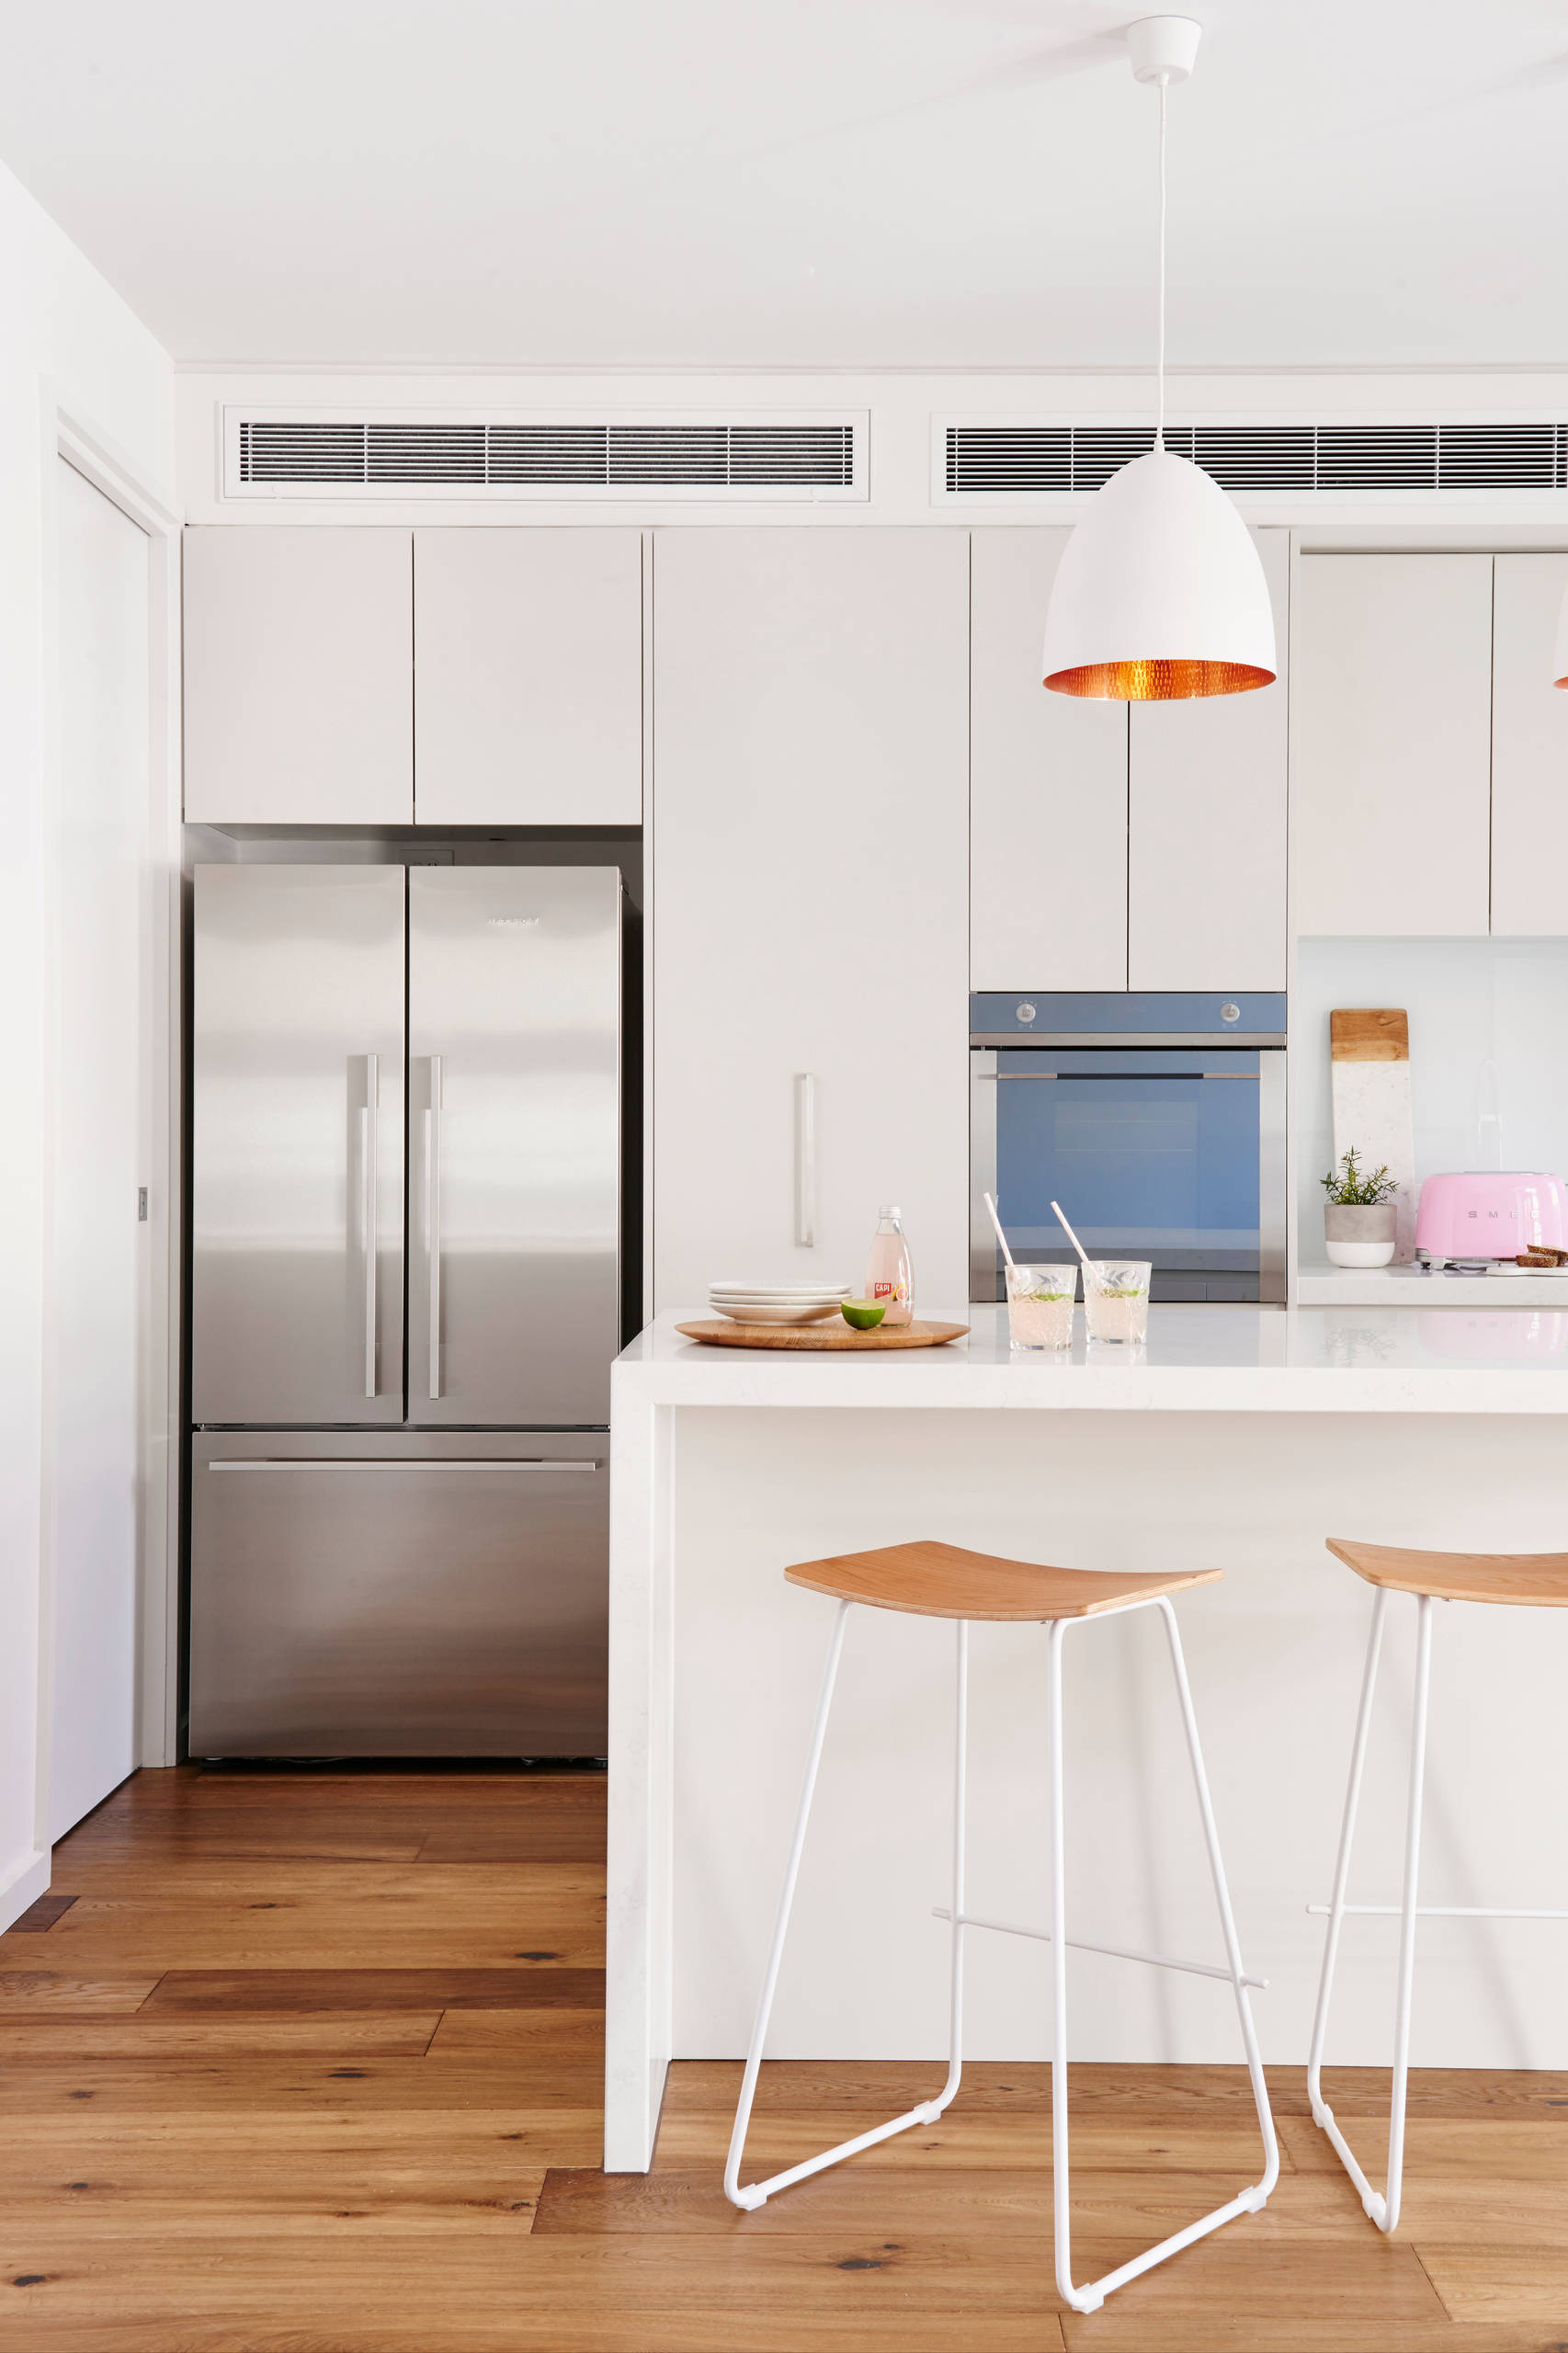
(1160, 594)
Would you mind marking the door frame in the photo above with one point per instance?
(70, 437)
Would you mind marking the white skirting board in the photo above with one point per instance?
(22, 1884)
(1370, 1053)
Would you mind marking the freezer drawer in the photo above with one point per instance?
(369, 1594)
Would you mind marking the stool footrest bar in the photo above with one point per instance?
(1249, 2201)
(756, 2193)
(1438, 1912)
(1082, 1944)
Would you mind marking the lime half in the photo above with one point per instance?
(864, 1314)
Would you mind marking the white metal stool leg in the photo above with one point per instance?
(1383, 2208)
(756, 2193)
(1090, 2297)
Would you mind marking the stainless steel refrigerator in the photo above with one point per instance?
(404, 1305)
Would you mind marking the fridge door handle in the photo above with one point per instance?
(369, 1122)
(433, 1218)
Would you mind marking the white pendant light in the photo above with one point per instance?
(1160, 594)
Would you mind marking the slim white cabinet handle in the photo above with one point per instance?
(369, 1122)
(805, 1159)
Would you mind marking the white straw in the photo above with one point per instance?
(997, 1223)
(1090, 1276)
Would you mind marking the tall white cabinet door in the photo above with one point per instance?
(1392, 689)
(809, 896)
(94, 1247)
(529, 671)
(1529, 748)
(1048, 784)
(299, 677)
(1206, 826)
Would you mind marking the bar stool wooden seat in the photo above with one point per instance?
(936, 1580)
(1518, 1580)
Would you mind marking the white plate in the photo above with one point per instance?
(783, 1298)
(775, 1314)
(777, 1290)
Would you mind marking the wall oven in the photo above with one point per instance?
(1157, 1122)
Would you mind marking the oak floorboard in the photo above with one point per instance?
(42, 2036)
(1485, 2283)
(193, 1992)
(25, 1989)
(968, 2139)
(648, 2330)
(221, 2082)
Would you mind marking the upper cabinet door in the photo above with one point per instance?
(528, 659)
(1393, 745)
(1047, 790)
(1206, 826)
(810, 944)
(298, 678)
(1529, 748)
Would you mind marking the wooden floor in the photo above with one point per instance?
(309, 2062)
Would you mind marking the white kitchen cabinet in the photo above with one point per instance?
(1048, 780)
(529, 671)
(1392, 686)
(299, 677)
(1206, 826)
(1530, 749)
(810, 863)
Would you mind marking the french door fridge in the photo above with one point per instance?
(404, 1305)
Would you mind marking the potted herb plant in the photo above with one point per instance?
(1358, 1217)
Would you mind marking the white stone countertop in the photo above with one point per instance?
(1335, 1359)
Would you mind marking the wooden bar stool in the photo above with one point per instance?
(940, 1581)
(1525, 1580)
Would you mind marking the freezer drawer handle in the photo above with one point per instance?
(369, 1120)
(377, 1462)
(433, 1218)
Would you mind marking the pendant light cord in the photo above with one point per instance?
(1160, 361)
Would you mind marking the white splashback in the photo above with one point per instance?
(1488, 1052)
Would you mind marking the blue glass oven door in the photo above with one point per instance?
(1154, 1153)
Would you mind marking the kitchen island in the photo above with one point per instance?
(1239, 1439)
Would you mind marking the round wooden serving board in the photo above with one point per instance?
(722, 1333)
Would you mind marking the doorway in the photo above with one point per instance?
(97, 1209)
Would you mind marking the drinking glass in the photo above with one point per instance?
(1116, 1302)
(1040, 1306)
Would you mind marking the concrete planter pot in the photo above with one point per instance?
(1359, 1237)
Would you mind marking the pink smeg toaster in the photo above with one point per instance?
(1481, 1213)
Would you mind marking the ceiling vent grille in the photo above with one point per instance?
(277, 454)
(1026, 460)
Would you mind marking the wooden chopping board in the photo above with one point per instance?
(833, 1334)
(1369, 1054)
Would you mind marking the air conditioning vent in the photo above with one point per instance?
(270, 454)
(1026, 460)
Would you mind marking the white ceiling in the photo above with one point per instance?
(811, 183)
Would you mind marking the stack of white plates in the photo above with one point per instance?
(776, 1303)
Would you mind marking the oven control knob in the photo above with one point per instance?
(1229, 1013)
(1026, 1013)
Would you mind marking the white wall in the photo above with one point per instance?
(68, 341)
(1488, 1052)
